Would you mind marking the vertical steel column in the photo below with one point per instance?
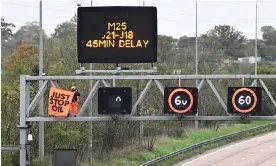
(41, 104)
(196, 63)
(27, 97)
(256, 38)
(90, 132)
(138, 112)
(22, 125)
(141, 123)
(196, 58)
(27, 103)
(113, 82)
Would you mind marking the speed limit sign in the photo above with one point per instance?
(244, 100)
(180, 100)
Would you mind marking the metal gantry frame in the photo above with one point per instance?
(27, 106)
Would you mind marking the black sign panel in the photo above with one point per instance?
(180, 100)
(118, 34)
(64, 157)
(244, 100)
(114, 100)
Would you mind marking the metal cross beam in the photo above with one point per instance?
(79, 72)
(142, 95)
(267, 92)
(200, 85)
(254, 83)
(106, 83)
(37, 97)
(151, 77)
(148, 118)
(54, 84)
(160, 86)
(10, 147)
(89, 98)
(218, 96)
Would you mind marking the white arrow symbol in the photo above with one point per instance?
(118, 98)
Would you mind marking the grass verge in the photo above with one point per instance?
(200, 150)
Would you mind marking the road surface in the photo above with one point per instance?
(257, 151)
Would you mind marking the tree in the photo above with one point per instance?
(269, 41)
(24, 60)
(269, 35)
(65, 29)
(185, 41)
(6, 36)
(226, 39)
(6, 31)
(28, 33)
(266, 29)
(249, 48)
(165, 47)
(74, 19)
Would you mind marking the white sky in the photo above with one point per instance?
(175, 17)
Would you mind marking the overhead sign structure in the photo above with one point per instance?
(180, 100)
(244, 100)
(118, 34)
(114, 100)
(59, 102)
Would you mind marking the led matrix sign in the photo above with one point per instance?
(117, 34)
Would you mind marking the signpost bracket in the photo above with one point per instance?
(180, 116)
(117, 70)
(114, 117)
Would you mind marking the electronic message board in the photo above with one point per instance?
(118, 34)
(244, 100)
(180, 100)
(114, 100)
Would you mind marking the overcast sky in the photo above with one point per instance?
(175, 17)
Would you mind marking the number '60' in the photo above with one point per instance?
(242, 100)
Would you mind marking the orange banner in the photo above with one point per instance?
(59, 102)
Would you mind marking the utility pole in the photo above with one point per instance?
(90, 132)
(256, 38)
(141, 126)
(41, 104)
(196, 62)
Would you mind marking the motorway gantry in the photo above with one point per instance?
(180, 100)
